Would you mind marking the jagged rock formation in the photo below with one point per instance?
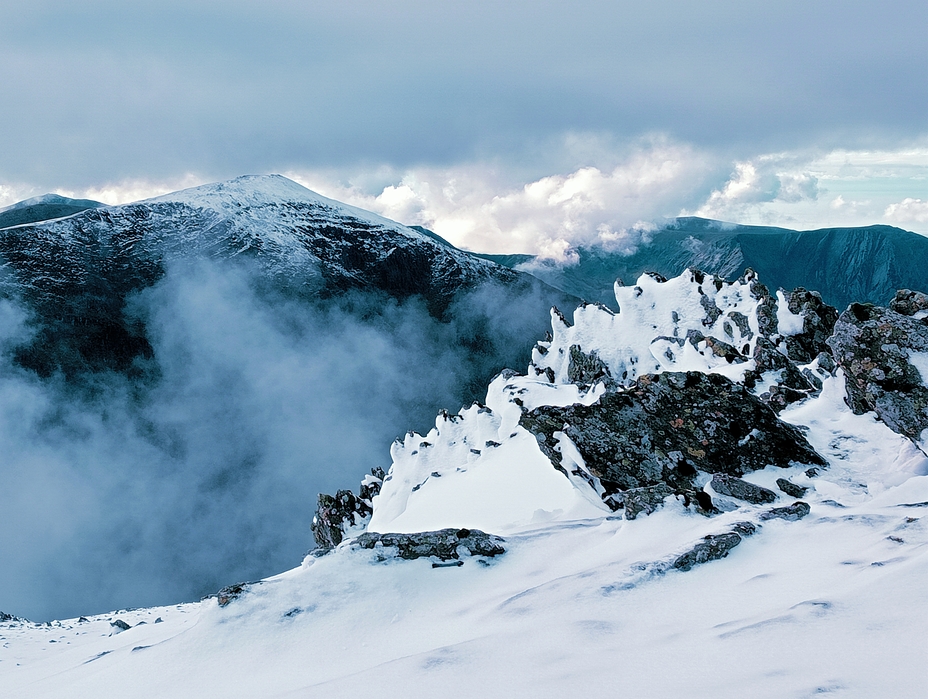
(335, 515)
(446, 544)
(676, 395)
(666, 428)
(884, 355)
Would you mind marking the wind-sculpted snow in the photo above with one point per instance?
(609, 404)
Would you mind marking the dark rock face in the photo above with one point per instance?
(644, 500)
(790, 488)
(665, 428)
(4, 617)
(711, 548)
(586, 369)
(335, 514)
(872, 344)
(791, 513)
(443, 544)
(737, 488)
(120, 625)
(818, 324)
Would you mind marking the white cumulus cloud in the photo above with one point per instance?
(909, 210)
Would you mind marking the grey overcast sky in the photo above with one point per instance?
(452, 113)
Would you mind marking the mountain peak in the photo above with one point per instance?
(230, 197)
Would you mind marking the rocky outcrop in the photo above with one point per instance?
(714, 546)
(334, 515)
(791, 513)
(444, 544)
(874, 346)
(790, 488)
(908, 303)
(742, 490)
(664, 429)
(818, 323)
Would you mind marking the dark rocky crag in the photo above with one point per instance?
(444, 544)
(665, 429)
(874, 347)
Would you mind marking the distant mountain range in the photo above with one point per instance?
(865, 264)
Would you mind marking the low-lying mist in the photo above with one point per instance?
(122, 492)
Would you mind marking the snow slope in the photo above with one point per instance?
(584, 602)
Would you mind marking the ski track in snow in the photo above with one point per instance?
(583, 603)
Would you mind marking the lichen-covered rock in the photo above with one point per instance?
(874, 345)
(445, 544)
(790, 488)
(586, 369)
(818, 323)
(644, 500)
(908, 303)
(742, 490)
(793, 512)
(711, 548)
(667, 426)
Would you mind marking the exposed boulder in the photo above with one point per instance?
(711, 548)
(230, 593)
(742, 490)
(793, 512)
(445, 544)
(790, 488)
(120, 625)
(874, 345)
(665, 428)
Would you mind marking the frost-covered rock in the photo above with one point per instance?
(790, 488)
(884, 355)
(910, 303)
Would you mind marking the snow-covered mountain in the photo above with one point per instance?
(171, 372)
(716, 491)
(78, 273)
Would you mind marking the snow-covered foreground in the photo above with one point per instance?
(833, 604)
(585, 602)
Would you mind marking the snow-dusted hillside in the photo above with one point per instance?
(688, 506)
(79, 273)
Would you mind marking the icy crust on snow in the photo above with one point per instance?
(648, 335)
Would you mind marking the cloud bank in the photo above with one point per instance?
(119, 493)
